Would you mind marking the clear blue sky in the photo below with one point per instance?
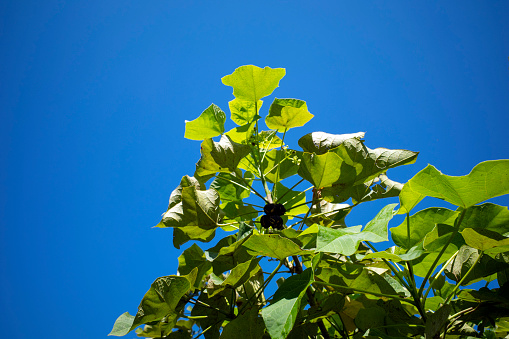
(94, 94)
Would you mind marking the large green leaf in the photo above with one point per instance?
(397, 254)
(228, 253)
(244, 111)
(287, 113)
(159, 302)
(196, 216)
(222, 156)
(487, 216)
(421, 223)
(321, 142)
(272, 245)
(487, 180)
(320, 170)
(246, 326)
(280, 315)
(231, 186)
(192, 258)
(290, 199)
(212, 313)
(252, 83)
(242, 134)
(208, 125)
(439, 237)
(346, 240)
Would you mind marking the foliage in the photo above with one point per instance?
(336, 283)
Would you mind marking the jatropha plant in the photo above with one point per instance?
(285, 209)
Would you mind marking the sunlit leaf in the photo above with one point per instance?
(487, 180)
(277, 166)
(241, 134)
(321, 142)
(487, 216)
(208, 125)
(252, 83)
(290, 199)
(242, 111)
(222, 156)
(483, 239)
(287, 113)
(439, 237)
(280, 315)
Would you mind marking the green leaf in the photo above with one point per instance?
(321, 142)
(231, 187)
(487, 216)
(435, 240)
(246, 326)
(272, 245)
(291, 199)
(243, 111)
(212, 318)
(196, 216)
(320, 170)
(280, 315)
(328, 214)
(287, 113)
(192, 258)
(346, 240)
(369, 318)
(483, 239)
(241, 134)
(397, 254)
(222, 156)
(239, 275)
(421, 223)
(487, 180)
(275, 159)
(159, 302)
(252, 83)
(269, 140)
(437, 320)
(209, 124)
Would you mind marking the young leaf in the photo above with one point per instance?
(209, 124)
(280, 315)
(222, 156)
(243, 111)
(321, 142)
(252, 83)
(287, 113)
(487, 180)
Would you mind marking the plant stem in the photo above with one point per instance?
(256, 295)
(274, 188)
(438, 274)
(432, 268)
(193, 301)
(289, 190)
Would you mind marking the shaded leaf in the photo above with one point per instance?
(252, 83)
(247, 326)
(209, 124)
(287, 113)
(437, 320)
(487, 216)
(192, 258)
(435, 240)
(487, 180)
(276, 160)
(280, 315)
(239, 275)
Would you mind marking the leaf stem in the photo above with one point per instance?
(260, 290)
(289, 190)
(432, 268)
(274, 188)
(438, 274)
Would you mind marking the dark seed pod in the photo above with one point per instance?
(274, 209)
(264, 220)
(274, 221)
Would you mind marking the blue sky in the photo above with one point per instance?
(94, 95)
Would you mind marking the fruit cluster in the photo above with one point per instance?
(272, 216)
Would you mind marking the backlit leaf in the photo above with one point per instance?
(208, 125)
(242, 111)
(287, 113)
(321, 142)
(487, 180)
(252, 83)
(272, 245)
(320, 170)
(222, 156)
